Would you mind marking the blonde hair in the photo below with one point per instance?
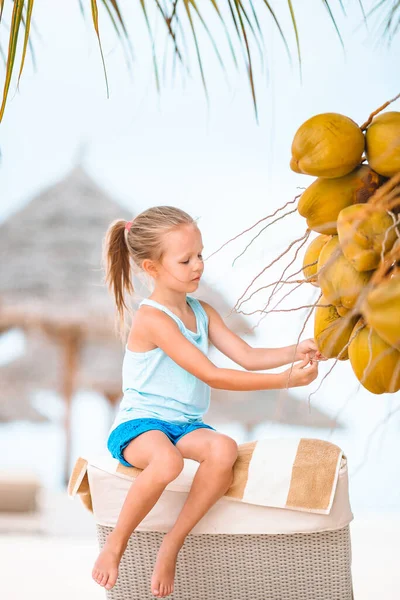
(123, 249)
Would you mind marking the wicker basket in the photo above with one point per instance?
(299, 566)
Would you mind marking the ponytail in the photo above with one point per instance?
(116, 263)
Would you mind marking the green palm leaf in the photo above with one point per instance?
(95, 15)
(12, 48)
(27, 23)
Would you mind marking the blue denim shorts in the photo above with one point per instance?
(120, 437)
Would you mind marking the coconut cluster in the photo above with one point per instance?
(355, 259)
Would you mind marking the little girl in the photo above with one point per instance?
(167, 379)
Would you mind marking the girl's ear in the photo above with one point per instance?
(150, 267)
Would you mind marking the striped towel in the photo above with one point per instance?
(299, 474)
(293, 473)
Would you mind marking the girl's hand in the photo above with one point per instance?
(300, 375)
(308, 347)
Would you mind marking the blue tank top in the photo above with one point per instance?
(155, 386)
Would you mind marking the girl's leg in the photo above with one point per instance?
(161, 462)
(216, 454)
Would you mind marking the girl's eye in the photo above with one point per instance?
(185, 262)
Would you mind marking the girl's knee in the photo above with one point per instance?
(224, 451)
(168, 467)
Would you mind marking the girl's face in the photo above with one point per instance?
(182, 264)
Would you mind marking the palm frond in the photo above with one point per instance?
(12, 48)
(214, 3)
(249, 63)
(117, 11)
(27, 24)
(117, 21)
(153, 48)
(391, 17)
(244, 17)
(295, 32)
(328, 8)
(95, 16)
(187, 4)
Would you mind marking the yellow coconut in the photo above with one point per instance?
(311, 258)
(342, 310)
(323, 200)
(331, 331)
(365, 236)
(327, 145)
(383, 143)
(340, 283)
(375, 363)
(381, 309)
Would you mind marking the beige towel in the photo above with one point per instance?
(293, 473)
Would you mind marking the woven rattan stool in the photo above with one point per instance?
(305, 566)
(240, 549)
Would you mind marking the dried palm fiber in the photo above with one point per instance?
(375, 363)
(340, 283)
(323, 200)
(366, 236)
(383, 143)
(327, 145)
(331, 331)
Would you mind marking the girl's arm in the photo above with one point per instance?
(252, 359)
(165, 333)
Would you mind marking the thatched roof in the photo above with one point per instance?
(51, 252)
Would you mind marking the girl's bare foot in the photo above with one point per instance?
(162, 581)
(105, 570)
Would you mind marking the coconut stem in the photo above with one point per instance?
(307, 235)
(287, 281)
(262, 230)
(377, 111)
(238, 302)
